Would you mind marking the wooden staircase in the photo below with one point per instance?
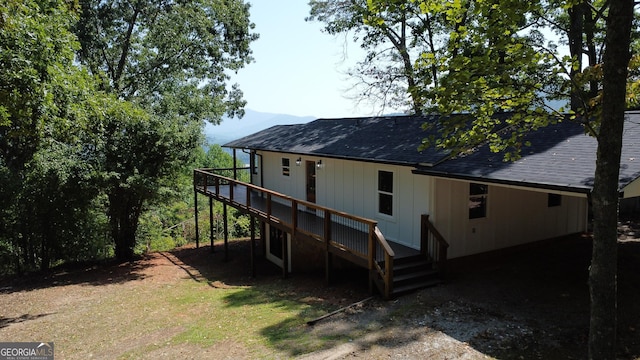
(411, 273)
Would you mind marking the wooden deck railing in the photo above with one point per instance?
(433, 244)
(381, 251)
(354, 238)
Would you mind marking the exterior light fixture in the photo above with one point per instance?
(298, 161)
(319, 164)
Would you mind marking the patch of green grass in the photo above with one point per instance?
(263, 314)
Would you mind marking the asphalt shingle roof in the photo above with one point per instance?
(391, 139)
(561, 156)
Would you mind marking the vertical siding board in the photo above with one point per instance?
(358, 189)
(370, 193)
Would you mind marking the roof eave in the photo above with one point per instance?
(581, 189)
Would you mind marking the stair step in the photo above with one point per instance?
(411, 267)
(416, 286)
(407, 259)
(410, 264)
(414, 275)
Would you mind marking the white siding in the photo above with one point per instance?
(351, 186)
(514, 216)
(632, 189)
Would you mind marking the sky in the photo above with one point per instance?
(298, 69)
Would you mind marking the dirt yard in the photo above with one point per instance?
(533, 304)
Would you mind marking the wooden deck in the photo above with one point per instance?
(311, 220)
(354, 238)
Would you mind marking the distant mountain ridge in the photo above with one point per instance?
(253, 121)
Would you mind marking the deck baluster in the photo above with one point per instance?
(248, 199)
(294, 218)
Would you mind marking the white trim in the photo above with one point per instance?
(394, 194)
(272, 257)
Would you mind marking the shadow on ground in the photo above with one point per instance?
(526, 304)
(531, 304)
(6, 321)
(90, 274)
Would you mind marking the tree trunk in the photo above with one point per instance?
(576, 19)
(47, 239)
(603, 272)
(124, 213)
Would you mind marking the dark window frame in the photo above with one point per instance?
(286, 166)
(554, 200)
(478, 196)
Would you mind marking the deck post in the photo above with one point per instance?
(269, 206)
(195, 202)
(211, 222)
(424, 234)
(226, 232)
(328, 266)
(235, 168)
(285, 255)
(371, 257)
(253, 245)
(327, 254)
(263, 238)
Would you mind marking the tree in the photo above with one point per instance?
(603, 271)
(33, 68)
(140, 156)
(169, 55)
(46, 193)
(393, 33)
(169, 60)
(498, 61)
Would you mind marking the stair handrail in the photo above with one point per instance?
(376, 237)
(434, 244)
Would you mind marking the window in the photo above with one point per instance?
(276, 240)
(385, 192)
(478, 200)
(554, 200)
(285, 167)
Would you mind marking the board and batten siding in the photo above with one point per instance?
(515, 216)
(352, 187)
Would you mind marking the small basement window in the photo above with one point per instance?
(554, 200)
(385, 192)
(286, 170)
(478, 194)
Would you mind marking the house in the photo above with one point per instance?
(371, 168)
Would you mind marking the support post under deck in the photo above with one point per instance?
(285, 255)
(253, 246)
(226, 232)
(195, 202)
(211, 222)
(328, 266)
